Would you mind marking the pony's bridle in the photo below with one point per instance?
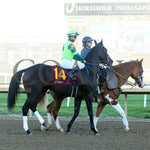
(138, 81)
(140, 77)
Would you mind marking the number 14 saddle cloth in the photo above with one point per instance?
(60, 77)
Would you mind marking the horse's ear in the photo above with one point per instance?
(101, 43)
(95, 42)
(141, 60)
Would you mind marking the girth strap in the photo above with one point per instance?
(74, 89)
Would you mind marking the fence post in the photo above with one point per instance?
(145, 97)
(68, 101)
(125, 104)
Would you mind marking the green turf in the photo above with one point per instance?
(135, 107)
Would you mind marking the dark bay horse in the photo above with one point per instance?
(123, 71)
(40, 78)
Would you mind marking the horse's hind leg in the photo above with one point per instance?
(119, 109)
(76, 113)
(25, 110)
(39, 117)
(41, 120)
(31, 103)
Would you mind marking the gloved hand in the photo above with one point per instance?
(84, 61)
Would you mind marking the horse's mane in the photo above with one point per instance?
(121, 67)
(91, 53)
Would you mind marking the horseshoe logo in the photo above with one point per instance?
(70, 7)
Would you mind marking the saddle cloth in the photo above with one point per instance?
(59, 76)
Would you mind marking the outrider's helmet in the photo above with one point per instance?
(86, 39)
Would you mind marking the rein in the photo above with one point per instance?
(91, 64)
(129, 82)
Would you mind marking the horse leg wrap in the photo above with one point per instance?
(41, 120)
(25, 124)
(95, 120)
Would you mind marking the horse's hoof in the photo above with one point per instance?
(96, 129)
(43, 127)
(97, 134)
(28, 132)
(127, 129)
(68, 133)
(61, 130)
(46, 128)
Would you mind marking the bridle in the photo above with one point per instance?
(137, 81)
(140, 77)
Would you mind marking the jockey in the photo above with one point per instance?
(69, 53)
(87, 44)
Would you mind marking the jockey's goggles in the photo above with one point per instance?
(74, 36)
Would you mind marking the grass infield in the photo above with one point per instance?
(135, 107)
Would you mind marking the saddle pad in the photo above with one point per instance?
(59, 76)
(112, 80)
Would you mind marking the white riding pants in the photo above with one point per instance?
(68, 64)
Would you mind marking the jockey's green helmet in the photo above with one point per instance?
(72, 32)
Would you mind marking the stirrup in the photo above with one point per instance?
(69, 74)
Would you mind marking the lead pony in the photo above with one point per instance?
(40, 78)
(122, 71)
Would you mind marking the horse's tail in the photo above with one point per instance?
(13, 88)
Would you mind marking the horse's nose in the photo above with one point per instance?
(142, 84)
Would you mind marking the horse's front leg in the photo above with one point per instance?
(76, 113)
(119, 109)
(99, 109)
(90, 112)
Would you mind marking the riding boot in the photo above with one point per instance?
(71, 74)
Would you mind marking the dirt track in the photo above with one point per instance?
(112, 135)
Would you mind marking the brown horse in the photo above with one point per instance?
(123, 71)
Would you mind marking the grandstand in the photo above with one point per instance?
(125, 35)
